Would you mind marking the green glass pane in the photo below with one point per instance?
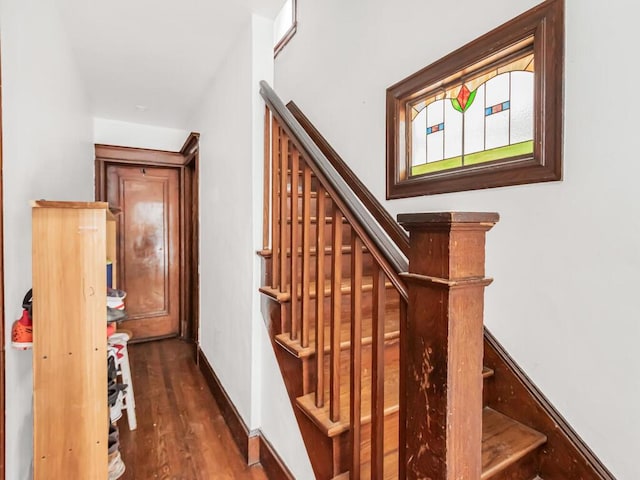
(472, 96)
(499, 153)
(456, 104)
(445, 164)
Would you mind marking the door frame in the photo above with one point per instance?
(186, 161)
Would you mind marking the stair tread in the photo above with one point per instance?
(314, 193)
(313, 220)
(391, 329)
(345, 288)
(346, 250)
(320, 415)
(392, 332)
(505, 441)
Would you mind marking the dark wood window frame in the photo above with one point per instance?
(545, 23)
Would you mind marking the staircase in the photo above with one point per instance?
(380, 339)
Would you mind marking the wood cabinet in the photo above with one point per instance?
(71, 242)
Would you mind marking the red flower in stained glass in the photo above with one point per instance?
(463, 96)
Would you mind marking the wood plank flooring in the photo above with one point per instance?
(181, 434)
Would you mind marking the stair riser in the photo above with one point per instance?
(367, 265)
(391, 357)
(342, 442)
(279, 317)
(346, 242)
(390, 439)
(328, 229)
(526, 468)
(294, 371)
(391, 314)
(328, 204)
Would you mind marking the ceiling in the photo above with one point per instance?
(150, 61)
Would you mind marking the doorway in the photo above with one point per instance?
(154, 196)
(149, 241)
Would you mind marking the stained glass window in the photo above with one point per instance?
(484, 117)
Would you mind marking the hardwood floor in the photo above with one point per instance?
(181, 434)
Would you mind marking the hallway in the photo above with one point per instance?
(181, 433)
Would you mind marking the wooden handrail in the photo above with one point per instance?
(386, 221)
(323, 168)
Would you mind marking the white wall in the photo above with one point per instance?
(48, 152)
(565, 255)
(232, 331)
(138, 135)
(224, 122)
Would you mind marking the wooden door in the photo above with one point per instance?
(149, 247)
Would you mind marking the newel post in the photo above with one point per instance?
(442, 349)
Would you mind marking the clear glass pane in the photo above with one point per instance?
(419, 138)
(497, 90)
(453, 133)
(435, 146)
(497, 129)
(521, 106)
(474, 124)
(435, 113)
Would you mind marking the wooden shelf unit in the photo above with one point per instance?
(71, 241)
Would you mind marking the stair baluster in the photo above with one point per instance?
(377, 373)
(284, 165)
(306, 253)
(320, 275)
(294, 241)
(275, 200)
(336, 314)
(355, 406)
(266, 179)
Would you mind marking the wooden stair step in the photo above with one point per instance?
(505, 441)
(295, 348)
(345, 289)
(391, 329)
(327, 220)
(328, 250)
(314, 193)
(320, 416)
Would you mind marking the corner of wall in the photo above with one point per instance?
(271, 409)
(261, 69)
